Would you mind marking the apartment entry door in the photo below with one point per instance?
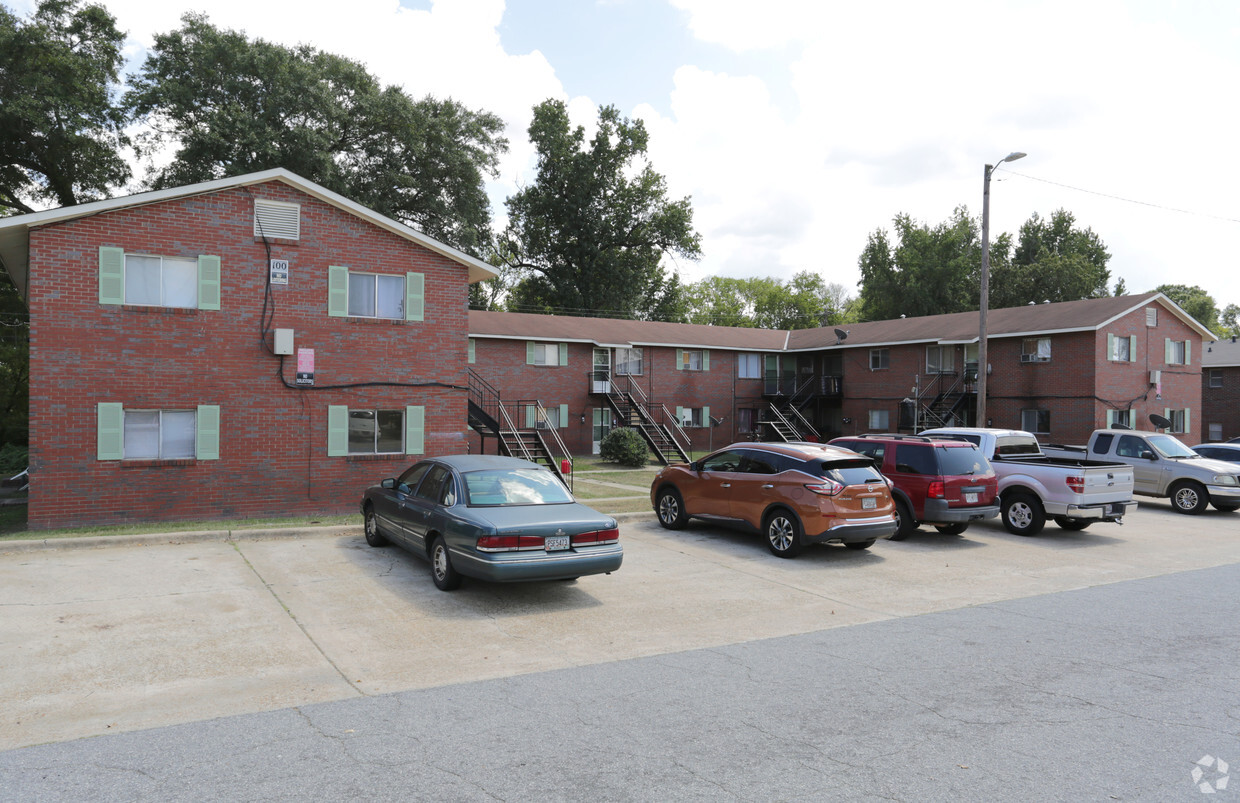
(602, 425)
(601, 379)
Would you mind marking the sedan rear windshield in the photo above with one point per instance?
(520, 486)
(852, 472)
(959, 460)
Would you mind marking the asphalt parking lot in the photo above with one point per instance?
(130, 636)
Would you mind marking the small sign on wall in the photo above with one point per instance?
(279, 271)
(305, 366)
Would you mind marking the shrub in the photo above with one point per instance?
(13, 460)
(624, 446)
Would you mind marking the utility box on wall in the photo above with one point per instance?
(284, 341)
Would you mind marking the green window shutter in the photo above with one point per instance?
(1188, 414)
(415, 297)
(563, 415)
(112, 277)
(680, 415)
(415, 429)
(1111, 347)
(1188, 354)
(472, 357)
(1167, 350)
(529, 352)
(1132, 348)
(680, 362)
(563, 354)
(337, 430)
(110, 430)
(208, 282)
(207, 444)
(706, 417)
(337, 291)
(1110, 418)
(705, 359)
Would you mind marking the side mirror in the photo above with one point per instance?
(388, 484)
(1149, 455)
(695, 466)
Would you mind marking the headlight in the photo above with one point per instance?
(1225, 479)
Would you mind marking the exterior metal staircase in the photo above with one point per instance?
(489, 415)
(658, 427)
(783, 417)
(943, 401)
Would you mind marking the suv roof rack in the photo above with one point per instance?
(898, 436)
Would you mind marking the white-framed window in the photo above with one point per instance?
(879, 421)
(629, 362)
(693, 416)
(692, 360)
(157, 434)
(940, 359)
(746, 419)
(552, 416)
(748, 366)
(1035, 349)
(1121, 418)
(1036, 421)
(880, 359)
(363, 430)
(1178, 352)
(1215, 432)
(1216, 377)
(1121, 348)
(152, 280)
(1151, 316)
(547, 354)
(1180, 420)
(380, 296)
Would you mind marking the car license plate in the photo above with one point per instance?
(970, 499)
(869, 503)
(556, 542)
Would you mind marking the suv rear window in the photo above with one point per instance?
(852, 472)
(916, 458)
(961, 460)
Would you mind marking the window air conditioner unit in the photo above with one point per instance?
(1028, 358)
(1155, 377)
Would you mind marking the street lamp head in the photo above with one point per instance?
(1012, 157)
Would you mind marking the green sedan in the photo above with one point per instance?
(491, 518)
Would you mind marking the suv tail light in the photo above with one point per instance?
(937, 490)
(826, 487)
(611, 536)
(1076, 484)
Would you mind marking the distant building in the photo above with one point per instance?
(1220, 389)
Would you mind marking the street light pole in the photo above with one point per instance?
(982, 351)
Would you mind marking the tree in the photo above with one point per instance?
(590, 234)
(60, 129)
(929, 271)
(230, 106)
(14, 365)
(1053, 261)
(1229, 321)
(1195, 301)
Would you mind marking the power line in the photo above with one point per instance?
(1125, 200)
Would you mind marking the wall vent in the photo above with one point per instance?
(277, 219)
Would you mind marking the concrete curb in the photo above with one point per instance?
(199, 536)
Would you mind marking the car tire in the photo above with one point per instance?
(445, 577)
(1188, 497)
(860, 544)
(951, 529)
(905, 523)
(1023, 514)
(782, 531)
(371, 523)
(1226, 508)
(670, 509)
(1075, 525)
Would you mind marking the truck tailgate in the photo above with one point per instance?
(1109, 484)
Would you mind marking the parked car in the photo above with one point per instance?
(940, 481)
(1229, 452)
(793, 493)
(491, 518)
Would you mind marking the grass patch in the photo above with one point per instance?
(640, 478)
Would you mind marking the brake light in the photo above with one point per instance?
(611, 536)
(826, 488)
(1076, 484)
(937, 490)
(510, 543)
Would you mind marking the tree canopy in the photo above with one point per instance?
(230, 105)
(1053, 261)
(61, 133)
(589, 235)
(804, 302)
(1195, 301)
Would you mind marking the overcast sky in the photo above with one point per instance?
(801, 126)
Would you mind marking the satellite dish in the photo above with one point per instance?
(1160, 422)
(841, 335)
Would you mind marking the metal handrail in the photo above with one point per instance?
(540, 414)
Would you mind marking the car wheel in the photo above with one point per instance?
(860, 544)
(373, 536)
(905, 523)
(1226, 508)
(1023, 514)
(1188, 497)
(951, 529)
(445, 577)
(783, 534)
(1066, 523)
(670, 509)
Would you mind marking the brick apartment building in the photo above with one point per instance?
(1220, 389)
(155, 389)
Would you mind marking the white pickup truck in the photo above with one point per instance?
(1073, 491)
(1163, 466)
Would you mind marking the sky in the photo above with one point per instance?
(800, 127)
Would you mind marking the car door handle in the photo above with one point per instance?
(767, 487)
(725, 485)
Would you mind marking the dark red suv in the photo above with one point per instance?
(947, 483)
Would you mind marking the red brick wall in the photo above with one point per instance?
(1221, 405)
(273, 444)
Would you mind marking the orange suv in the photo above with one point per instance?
(792, 493)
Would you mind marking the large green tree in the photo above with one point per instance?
(1195, 301)
(1053, 261)
(14, 365)
(61, 129)
(1229, 321)
(230, 105)
(803, 302)
(591, 232)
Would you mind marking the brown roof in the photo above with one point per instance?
(960, 327)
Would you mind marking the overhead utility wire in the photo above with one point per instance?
(1125, 200)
